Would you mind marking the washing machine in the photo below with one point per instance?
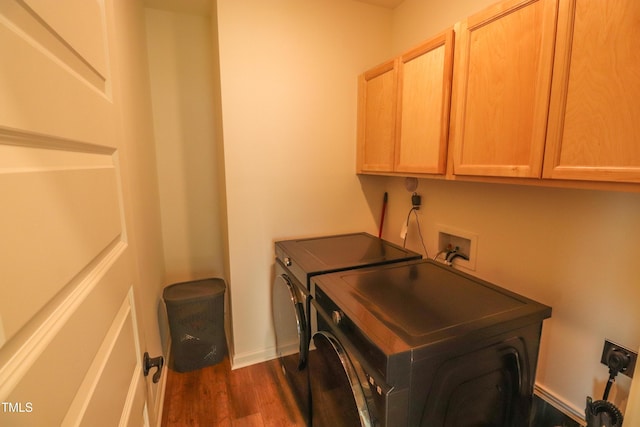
(421, 344)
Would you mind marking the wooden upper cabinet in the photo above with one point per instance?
(377, 104)
(594, 117)
(502, 80)
(424, 99)
(403, 110)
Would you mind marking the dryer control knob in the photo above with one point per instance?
(287, 261)
(336, 316)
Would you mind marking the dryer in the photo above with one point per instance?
(297, 262)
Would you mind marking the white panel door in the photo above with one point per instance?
(69, 340)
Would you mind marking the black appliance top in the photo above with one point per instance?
(408, 306)
(325, 254)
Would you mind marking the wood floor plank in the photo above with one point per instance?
(255, 396)
(254, 420)
(243, 394)
(220, 405)
(273, 400)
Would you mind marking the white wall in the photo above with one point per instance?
(574, 250)
(417, 20)
(289, 87)
(181, 70)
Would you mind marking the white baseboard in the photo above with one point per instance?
(251, 358)
(555, 401)
(242, 360)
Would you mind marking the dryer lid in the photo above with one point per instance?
(334, 253)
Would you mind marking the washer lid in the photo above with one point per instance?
(410, 305)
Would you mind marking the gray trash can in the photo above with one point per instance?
(196, 321)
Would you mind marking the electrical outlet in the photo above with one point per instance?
(416, 200)
(464, 242)
(610, 347)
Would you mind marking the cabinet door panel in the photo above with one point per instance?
(377, 118)
(594, 114)
(424, 77)
(501, 89)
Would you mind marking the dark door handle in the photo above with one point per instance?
(156, 362)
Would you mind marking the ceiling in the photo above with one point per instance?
(203, 7)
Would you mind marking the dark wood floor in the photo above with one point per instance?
(257, 396)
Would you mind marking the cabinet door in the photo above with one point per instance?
(594, 117)
(424, 91)
(502, 80)
(377, 95)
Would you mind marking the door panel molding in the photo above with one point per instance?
(47, 89)
(10, 136)
(19, 356)
(106, 373)
(85, 57)
(61, 211)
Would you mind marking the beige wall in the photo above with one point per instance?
(180, 60)
(571, 249)
(416, 20)
(289, 84)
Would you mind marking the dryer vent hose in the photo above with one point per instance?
(602, 413)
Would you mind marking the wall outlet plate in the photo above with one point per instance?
(633, 356)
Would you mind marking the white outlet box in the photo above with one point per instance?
(465, 241)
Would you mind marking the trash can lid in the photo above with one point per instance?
(194, 289)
